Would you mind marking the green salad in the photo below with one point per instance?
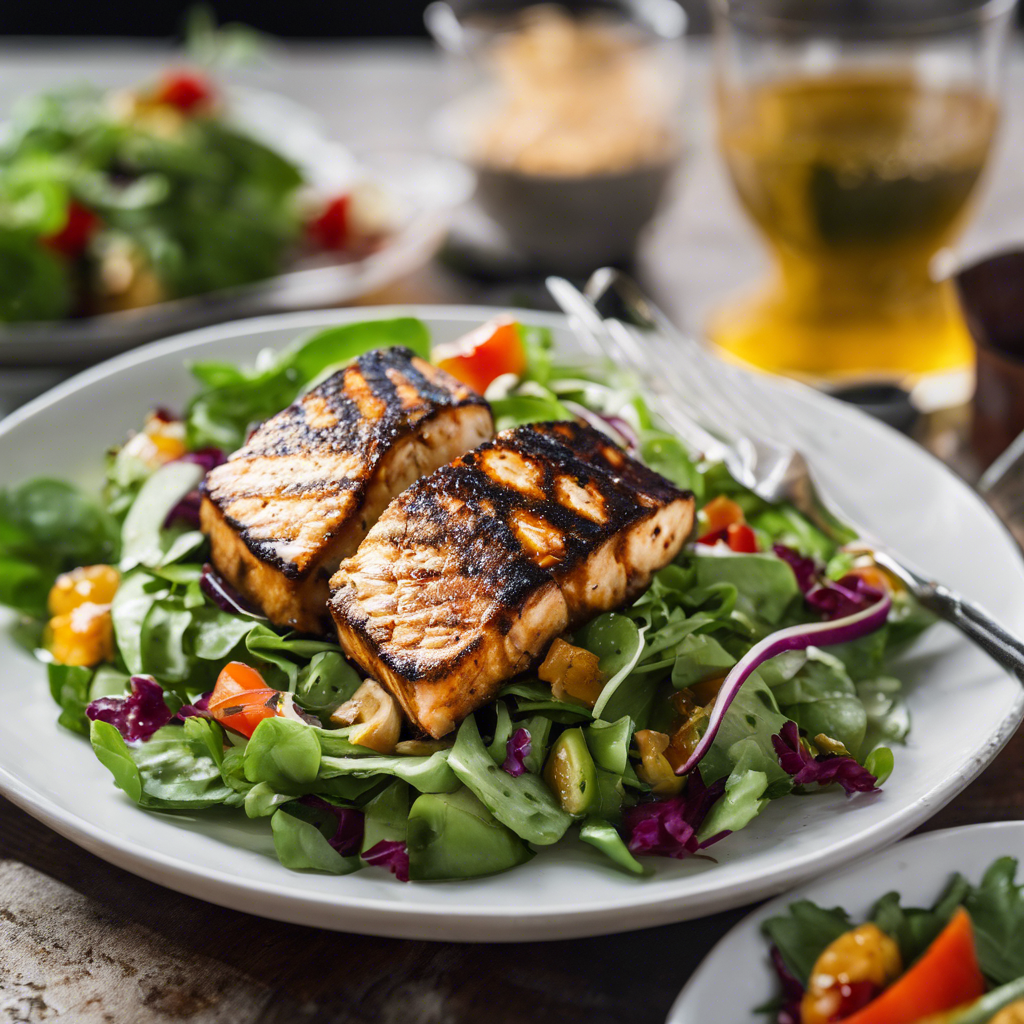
(116, 200)
(959, 961)
(138, 631)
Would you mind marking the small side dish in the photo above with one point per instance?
(441, 607)
(117, 200)
(960, 961)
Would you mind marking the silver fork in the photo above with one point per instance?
(728, 406)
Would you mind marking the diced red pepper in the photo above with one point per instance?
(484, 355)
(241, 699)
(723, 519)
(719, 514)
(80, 226)
(741, 538)
(186, 90)
(329, 230)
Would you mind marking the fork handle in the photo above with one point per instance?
(974, 622)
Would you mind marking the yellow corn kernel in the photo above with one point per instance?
(88, 584)
(865, 954)
(654, 767)
(84, 636)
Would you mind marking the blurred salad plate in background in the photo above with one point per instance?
(129, 214)
(929, 932)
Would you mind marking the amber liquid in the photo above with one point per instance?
(856, 181)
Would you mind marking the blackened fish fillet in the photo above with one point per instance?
(469, 574)
(301, 494)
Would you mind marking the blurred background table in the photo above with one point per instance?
(100, 945)
(377, 96)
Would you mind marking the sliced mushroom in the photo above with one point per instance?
(375, 714)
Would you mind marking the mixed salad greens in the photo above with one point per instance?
(192, 700)
(960, 961)
(115, 200)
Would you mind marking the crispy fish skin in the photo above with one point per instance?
(286, 508)
(469, 575)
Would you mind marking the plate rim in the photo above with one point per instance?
(905, 847)
(525, 923)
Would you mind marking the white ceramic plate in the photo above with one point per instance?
(964, 708)
(737, 975)
(421, 189)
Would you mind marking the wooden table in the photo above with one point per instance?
(86, 942)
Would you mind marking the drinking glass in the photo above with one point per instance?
(855, 132)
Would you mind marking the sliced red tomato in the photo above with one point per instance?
(241, 698)
(330, 229)
(947, 976)
(484, 355)
(186, 90)
(80, 226)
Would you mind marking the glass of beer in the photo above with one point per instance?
(855, 133)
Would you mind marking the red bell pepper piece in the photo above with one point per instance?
(484, 355)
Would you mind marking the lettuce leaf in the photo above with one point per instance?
(235, 398)
(48, 527)
(173, 770)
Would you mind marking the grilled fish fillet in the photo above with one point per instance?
(469, 575)
(286, 508)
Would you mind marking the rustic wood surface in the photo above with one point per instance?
(86, 942)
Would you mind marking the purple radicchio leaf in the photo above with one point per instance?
(200, 709)
(392, 855)
(668, 828)
(824, 769)
(348, 835)
(137, 715)
(805, 569)
(224, 596)
(792, 991)
(517, 749)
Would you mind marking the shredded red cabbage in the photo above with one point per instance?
(208, 458)
(201, 708)
(793, 638)
(392, 855)
(792, 991)
(517, 748)
(223, 595)
(805, 569)
(847, 597)
(348, 835)
(185, 511)
(824, 769)
(668, 828)
(137, 715)
(834, 600)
